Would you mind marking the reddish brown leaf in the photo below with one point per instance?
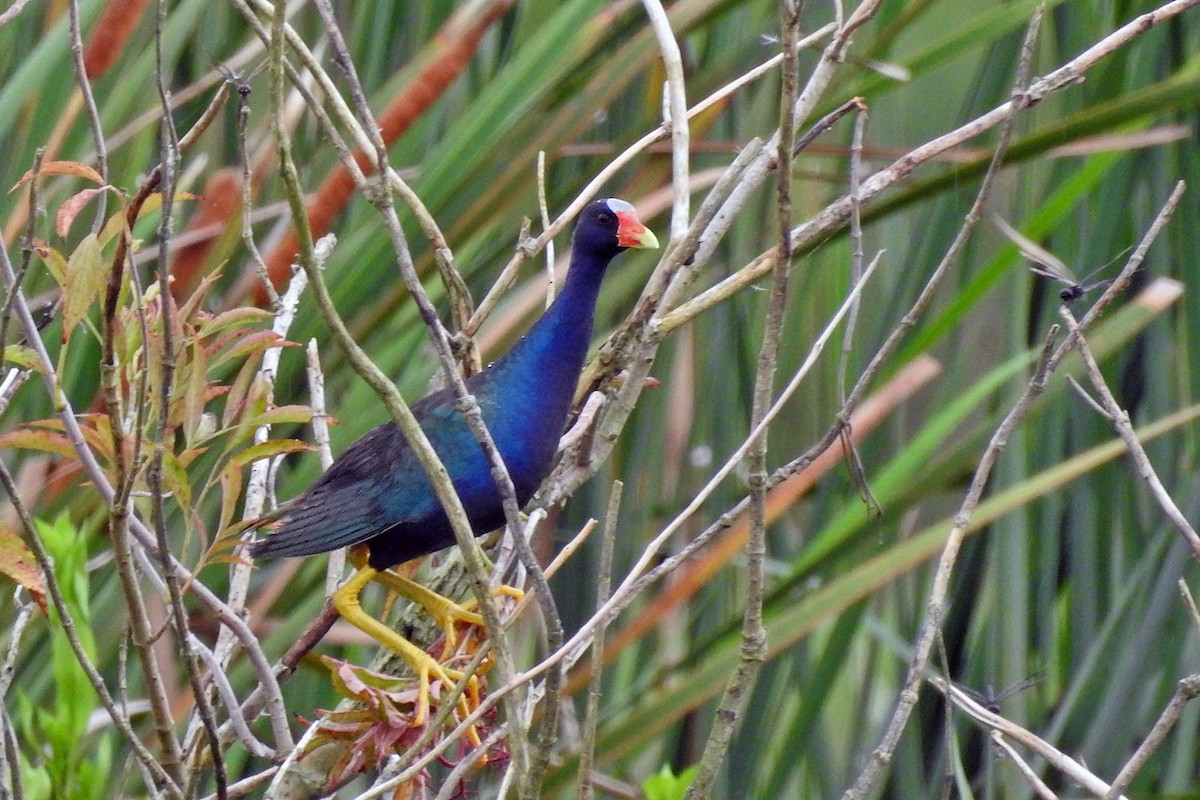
(63, 168)
(71, 208)
(32, 439)
(18, 563)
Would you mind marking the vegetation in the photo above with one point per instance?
(931, 509)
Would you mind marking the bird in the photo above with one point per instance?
(376, 498)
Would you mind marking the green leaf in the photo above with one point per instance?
(270, 449)
(281, 415)
(23, 357)
(245, 316)
(666, 785)
(84, 280)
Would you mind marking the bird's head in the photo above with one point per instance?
(610, 226)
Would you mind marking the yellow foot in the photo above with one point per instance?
(346, 601)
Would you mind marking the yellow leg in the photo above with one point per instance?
(444, 611)
(346, 601)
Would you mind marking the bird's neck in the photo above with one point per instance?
(543, 368)
(557, 343)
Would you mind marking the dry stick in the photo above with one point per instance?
(12, 755)
(932, 624)
(1022, 766)
(10, 764)
(856, 240)
(849, 449)
(260, 266)
(834, 215)
(1190, 602)
(1053, 756)
(733, 702)
(12, 11)
(26, 248)
(544, 211)
(587, 747)
(93, 114)
(169, 161)
(1119, 418)
(230, 699)
(13, 381)
(1186, 691)
(468, 763)
(937, 596)
(677, 116)
(256, 487)
(320, 426)
(247, 785)
(119, 718)
(529, 765)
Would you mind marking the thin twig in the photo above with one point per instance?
(819, 227)
(1053, 756)
(26, 248)
(169, 162)
(736, 697)
(587, 744)
(229, 698)
(1186, 691)
(676, 119)
(93, 114)
(1119, 417)
(260, 266)
(882, 754)
(320, 425)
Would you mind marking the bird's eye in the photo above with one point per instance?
(605, 219)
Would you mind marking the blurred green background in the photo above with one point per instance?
(1070, 577)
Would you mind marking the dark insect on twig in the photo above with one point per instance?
(240, 83)
(1050, 266)
(991, 700)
